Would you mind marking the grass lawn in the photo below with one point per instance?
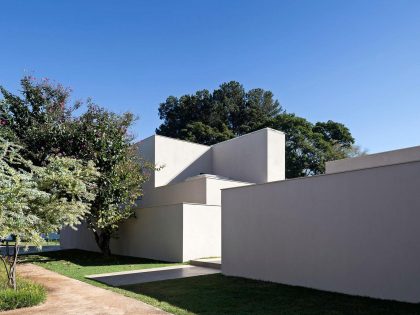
(217, 294)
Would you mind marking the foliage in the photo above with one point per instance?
(35, 199)
(101, 136)
(230, 111)
(309, 146)
(209, 118)
(45, 125)
(217, 294)
(40, 120)
(27, 294)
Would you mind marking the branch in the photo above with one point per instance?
(5, 265)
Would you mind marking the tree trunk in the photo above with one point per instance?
(13, 263)
(103, 239)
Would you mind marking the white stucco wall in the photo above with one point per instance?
(155, 233)
(374, 160)
(174, 233)
(256, 157)
(355, 232)
(202, 189)
(146, 150)
(82, 238)
(193, 191)
(246, 158)
(214, 186)
(276, 155)
(181, 159)
(201, 231)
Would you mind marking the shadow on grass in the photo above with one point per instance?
(218, 294)
(84, 258)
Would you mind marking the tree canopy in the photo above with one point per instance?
(44, 123)
(102, 136)
(208, 118)
(231, 111)
(40, 199)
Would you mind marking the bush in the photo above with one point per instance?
(27, 294)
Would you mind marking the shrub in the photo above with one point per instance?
(27, 294)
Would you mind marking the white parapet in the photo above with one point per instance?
(374, 160)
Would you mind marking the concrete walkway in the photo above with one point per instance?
(68, 296)
(153, 274)
(215, 263)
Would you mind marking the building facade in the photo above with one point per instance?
(179, 216)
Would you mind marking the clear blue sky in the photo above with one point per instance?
(357, 62)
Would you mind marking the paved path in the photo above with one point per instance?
(153, 274)
(215, 263)
(68, 296)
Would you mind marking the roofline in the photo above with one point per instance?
(375, 154)
(209, 146)
(250, 133)
(190, 142)
(322, 175)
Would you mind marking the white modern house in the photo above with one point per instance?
(353, 230)
(179, 217)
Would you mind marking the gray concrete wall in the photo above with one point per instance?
(356, 232)
(374, 160)
(247, 158)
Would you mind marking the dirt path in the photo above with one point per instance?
(69, 296)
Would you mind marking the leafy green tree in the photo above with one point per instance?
(209, 118)
(44, 123)
(309, 146)
(101, 136)
(39, 120)
(35, 199)
(230, 111)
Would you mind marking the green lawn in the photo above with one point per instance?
(77, 264)
(217, 294)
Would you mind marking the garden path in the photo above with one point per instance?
(69, 296)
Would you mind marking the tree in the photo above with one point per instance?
(209, 118)
(309, 146)
(101, 136)
(39, 120)
(230, 111)
(44, 123)
(37, 200)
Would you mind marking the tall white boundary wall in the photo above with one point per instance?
(354, 232)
